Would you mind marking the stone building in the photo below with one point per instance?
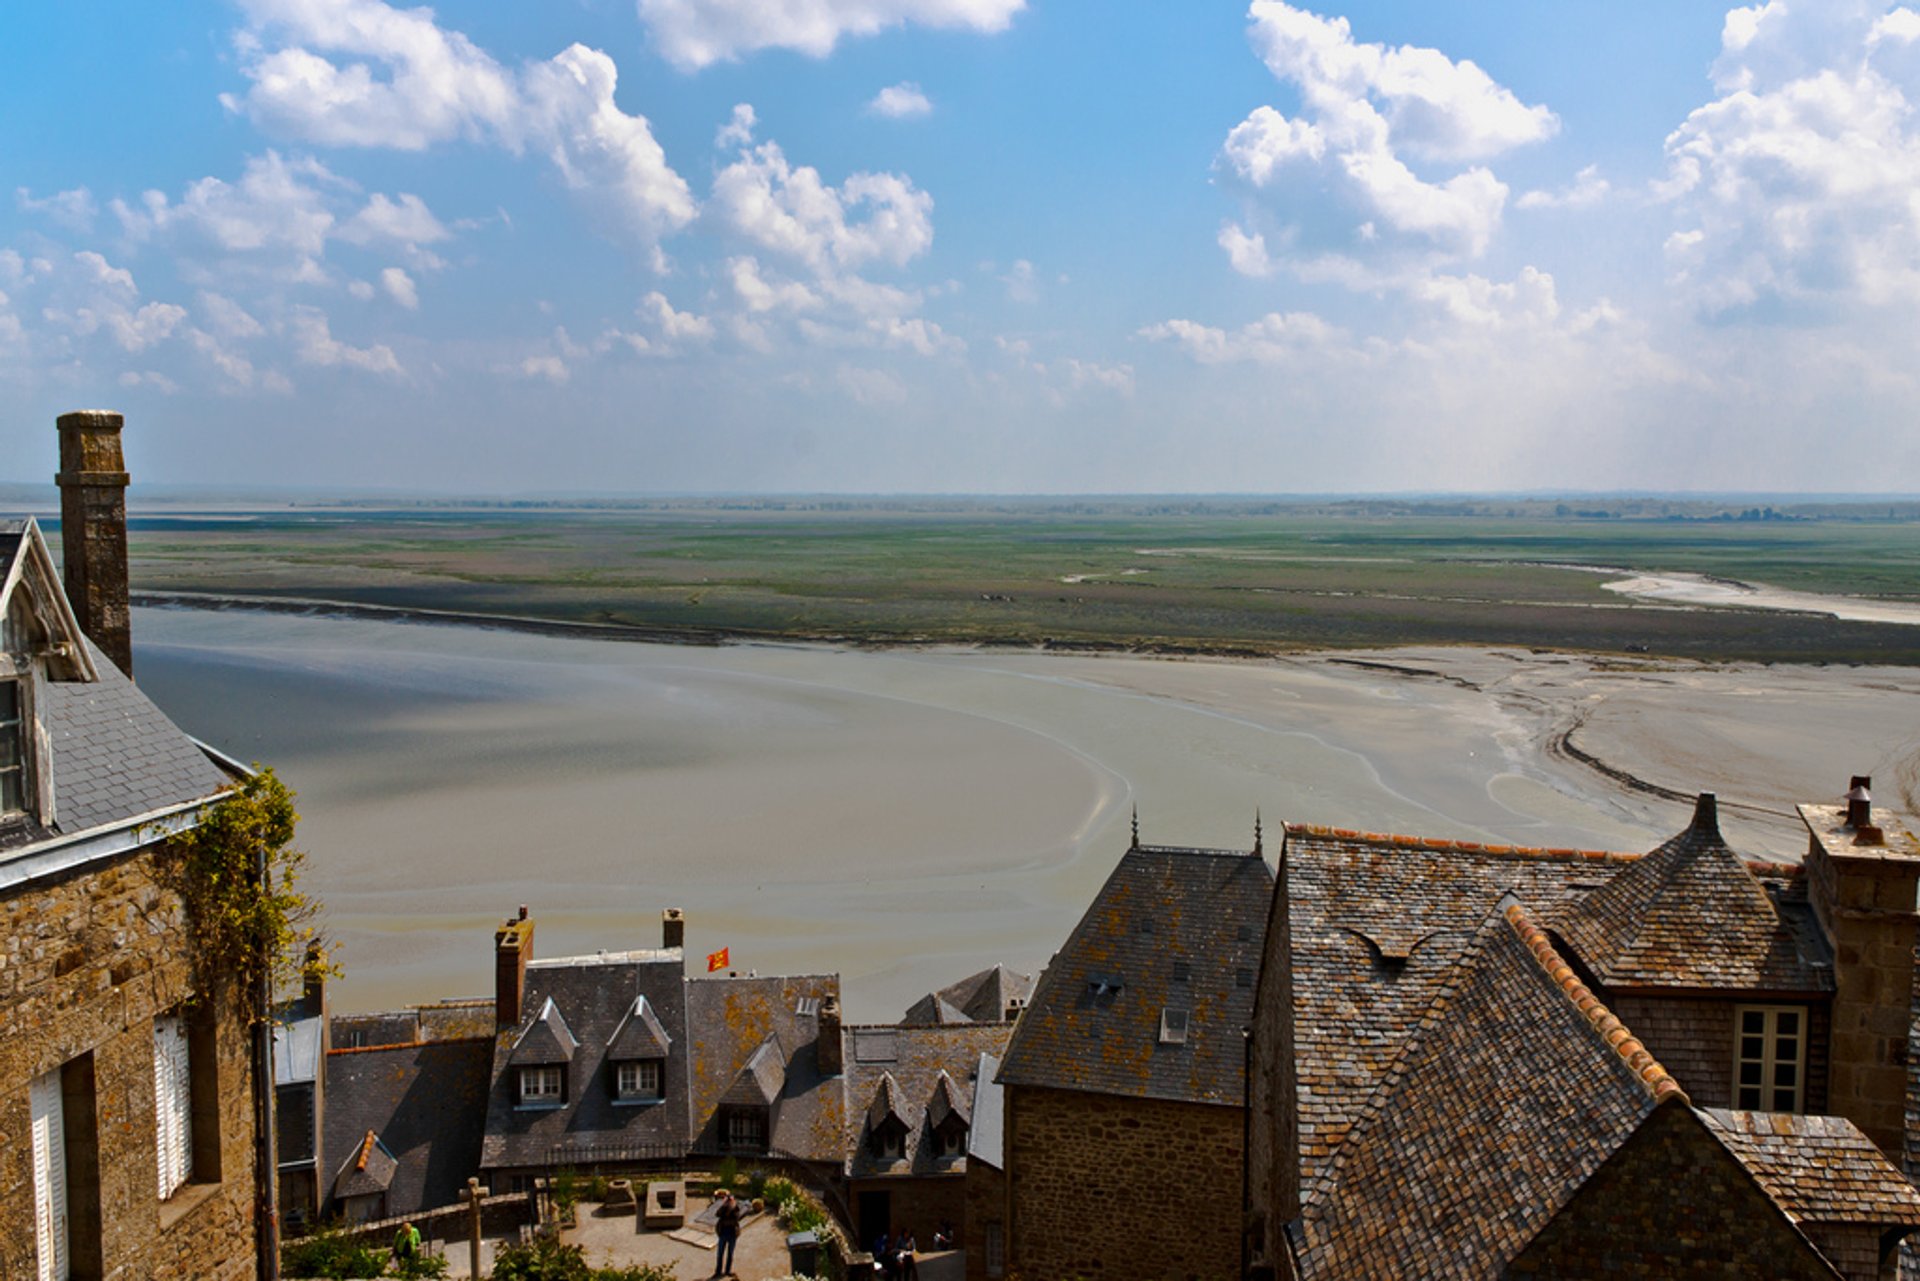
(126, 1076)
(1122, 1088)
(1483, 1061)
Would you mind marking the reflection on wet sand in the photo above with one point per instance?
(907, 817)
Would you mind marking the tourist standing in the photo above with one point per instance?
(726, 1226)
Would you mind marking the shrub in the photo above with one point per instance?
(422, 1267)
(729, 1173)
(597, 1188)
(328, 1253)
(635, 1272)
(778, 1191)
(543, 1259)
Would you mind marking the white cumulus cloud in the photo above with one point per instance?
(697, 33)
(1337, 181)
(900, 102)
(314, 344)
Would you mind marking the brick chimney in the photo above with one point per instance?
(673, 928)
(512, 949)
(1862, 879)
(93, 529)
(826, 1051)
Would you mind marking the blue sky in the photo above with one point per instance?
(967, 245)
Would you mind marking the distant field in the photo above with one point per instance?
(1252, 578)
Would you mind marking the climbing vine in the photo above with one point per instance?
(244, 926)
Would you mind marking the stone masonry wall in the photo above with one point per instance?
(1627, 1221)
(1105, 1188)
(86, 963)
(1694, 1040)
(986, 1207)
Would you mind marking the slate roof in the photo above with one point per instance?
(916, 1073)
(639, 1036)
(978, 998)
(1818, 1169)
(1515, 1087)
(1691, 915)
(760, 1079)
(590, 996)
(428, 1104)
(728, 1021)
(368, 1169)
(547, 1039)
(1172, 928)
(986, 1137)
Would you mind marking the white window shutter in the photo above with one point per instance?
(173, 1103)
(49, 1177)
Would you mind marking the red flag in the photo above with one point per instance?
(717, 960)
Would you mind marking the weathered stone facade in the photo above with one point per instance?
(1105, 1186)
(1693, 1037)
(984, 1235)
(1627, 1220)
(919, 1205)
(87, 962)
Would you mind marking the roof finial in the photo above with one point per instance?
(1256, 832)
(1136, 827)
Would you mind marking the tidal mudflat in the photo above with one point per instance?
(908, 816)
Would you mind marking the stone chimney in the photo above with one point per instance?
(313, 983)
(673, 928)
(1862, 879)
(93, 529)
(512, 949)
(826, 1051)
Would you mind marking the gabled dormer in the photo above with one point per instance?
(947, 1119)
(40, 642)
(540, 1059)
(886, 1121)
(637, 1055)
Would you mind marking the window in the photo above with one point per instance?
(13, 749)
(1173, 1026)
(1770, 1054)
(1182, 972)
(540, 1087)
(889, 1143)
(996, 1249)
(172, 1103)
(950, 1140)
(638, 1081)
(49, 1178)
(747, 1130)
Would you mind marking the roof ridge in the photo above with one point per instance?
(1639, 1060)
(408, 1045)
(1446, 843)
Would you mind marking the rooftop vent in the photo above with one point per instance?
(1860, 801)
(1182, 971)
(1173, 1026)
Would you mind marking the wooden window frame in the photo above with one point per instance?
(648, 1084)
(1766, 1094)
(544, 1075)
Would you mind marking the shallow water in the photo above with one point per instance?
(904, 818)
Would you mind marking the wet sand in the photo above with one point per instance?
(908, 817)
(1703, 591)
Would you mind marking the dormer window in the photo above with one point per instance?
(13, 749)
(638, 1081)
(889, 1142)
(950, 1140)
(541, 1087)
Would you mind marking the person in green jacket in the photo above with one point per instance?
(406, 1242)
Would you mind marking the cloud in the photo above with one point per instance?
(73, 209)
(551, 368)
(1020, 283)
(149, 378)
(314, 344)
(1246, 252)
(1275, 338)
(1587, 188)
(401, 81)
(400, 287)
(789, 210)
(871, 386)
(1336, 180)
(693, 34)
(675, 326)
(1793, 191)
(406, 221)
(227, 317)
(900, 102)
(738, 131)
(1090, 373)
(101, 272)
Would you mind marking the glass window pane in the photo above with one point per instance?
(1753, 1022)
(1752, 1047)
(1749, 1098)
(1788, 1023)
(1784, 1074)
(1749, 1074)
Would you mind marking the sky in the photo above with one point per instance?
(967, 246)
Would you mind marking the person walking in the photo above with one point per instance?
(726, 1227)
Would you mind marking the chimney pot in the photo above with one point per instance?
(1860, 802)
(93, 529)
(673, 928)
